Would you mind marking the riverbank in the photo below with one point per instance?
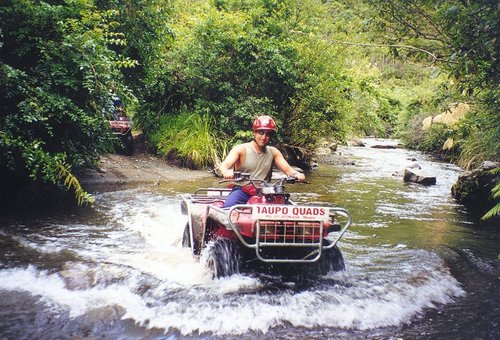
(115, 170)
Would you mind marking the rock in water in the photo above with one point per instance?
(417, 176)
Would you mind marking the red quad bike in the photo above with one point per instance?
(270, 232)
(121, 125)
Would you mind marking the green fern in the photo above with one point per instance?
(71, 182)
(495, 193)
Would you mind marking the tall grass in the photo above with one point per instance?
(189, 139)
(481, 143)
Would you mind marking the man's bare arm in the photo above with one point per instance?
(226, 167)
(283, 165)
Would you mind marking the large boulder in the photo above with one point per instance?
(427, 122)
(473, 188)
(453, 114)
(412, 165)
(417, 176)
(296, 155)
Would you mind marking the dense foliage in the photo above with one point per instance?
(194, 74)
(235, 60)
(462, 37)
(56, 68)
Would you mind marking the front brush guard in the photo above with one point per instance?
(312, 256)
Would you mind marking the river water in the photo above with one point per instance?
(417, 266)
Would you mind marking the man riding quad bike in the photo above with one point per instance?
(255, 221)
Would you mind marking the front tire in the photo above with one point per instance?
(222, 258)
(186, 240)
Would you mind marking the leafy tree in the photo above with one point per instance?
(237, 59)
(146, 24)
(56, 68)
(462, 36)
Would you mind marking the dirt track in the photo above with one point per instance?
(141, 167)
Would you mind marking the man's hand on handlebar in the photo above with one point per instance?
(299, 176)
(227, 174)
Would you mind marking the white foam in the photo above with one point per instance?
(52, 290)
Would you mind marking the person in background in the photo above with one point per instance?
(119, 111)
(257, 159)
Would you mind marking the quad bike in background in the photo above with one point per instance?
(270, 232)
(121, 126)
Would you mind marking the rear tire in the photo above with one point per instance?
(331, 260)
(222, 258)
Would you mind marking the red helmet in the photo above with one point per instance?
(264, 123)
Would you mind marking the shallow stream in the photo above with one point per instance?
(417, 266)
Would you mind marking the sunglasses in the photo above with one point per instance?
(267, 133)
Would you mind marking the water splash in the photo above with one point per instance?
(136, 263)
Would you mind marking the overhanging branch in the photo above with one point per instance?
(436, 58)
(390, 45)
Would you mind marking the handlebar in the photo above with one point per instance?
(244, 176)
